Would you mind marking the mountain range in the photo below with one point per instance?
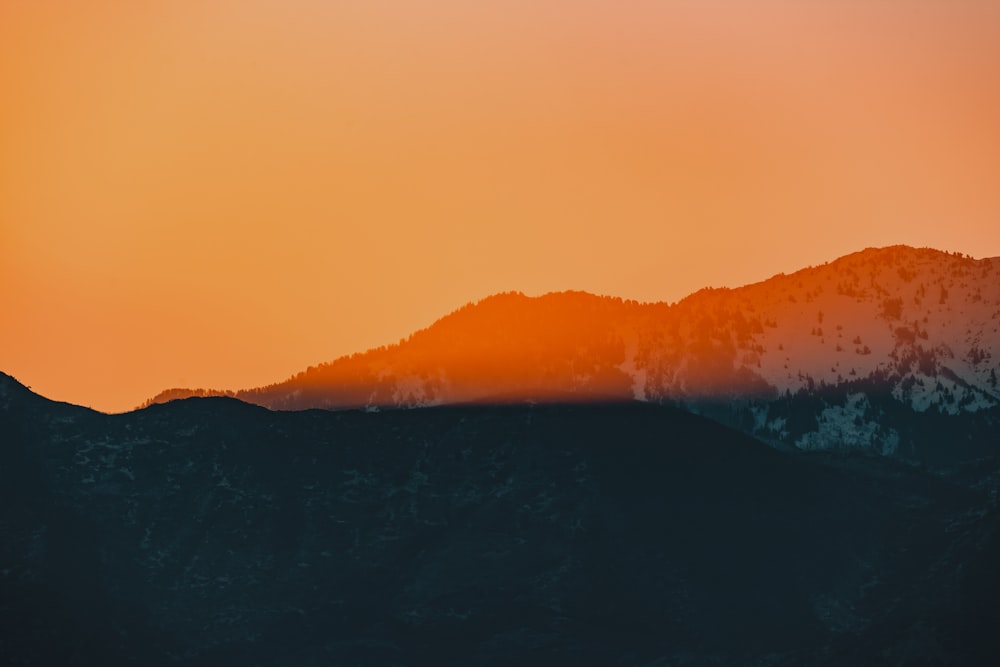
(893, 349)
(212, 532)
(800, 471)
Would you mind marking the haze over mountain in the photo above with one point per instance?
(861, 337)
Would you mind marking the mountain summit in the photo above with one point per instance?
(917, 327)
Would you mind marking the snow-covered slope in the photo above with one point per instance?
(918, 327)
(917, 313)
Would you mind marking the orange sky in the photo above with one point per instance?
(209, 193)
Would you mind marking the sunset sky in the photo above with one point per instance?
(219, 194)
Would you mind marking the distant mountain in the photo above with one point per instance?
(212, 532)
(844, 354)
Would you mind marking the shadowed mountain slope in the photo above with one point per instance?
(208, 531)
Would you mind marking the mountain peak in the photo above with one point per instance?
(9, 387)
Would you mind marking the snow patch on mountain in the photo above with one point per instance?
(847, 425)
(639, 376)
(413, 392)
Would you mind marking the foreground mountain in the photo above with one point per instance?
(844, 354)
(212, 532)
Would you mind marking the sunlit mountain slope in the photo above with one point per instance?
(919, 326)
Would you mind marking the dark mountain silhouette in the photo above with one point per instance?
(212, 532)
(853, 353)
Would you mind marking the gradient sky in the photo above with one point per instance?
(219, 194)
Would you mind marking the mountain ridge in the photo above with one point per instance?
(919, 325)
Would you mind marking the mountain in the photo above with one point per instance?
(212, 532)
(886, 349)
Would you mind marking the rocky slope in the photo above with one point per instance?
(854, 340)
(208, 532)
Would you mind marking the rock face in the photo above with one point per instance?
(840, 355)
(209, 532)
